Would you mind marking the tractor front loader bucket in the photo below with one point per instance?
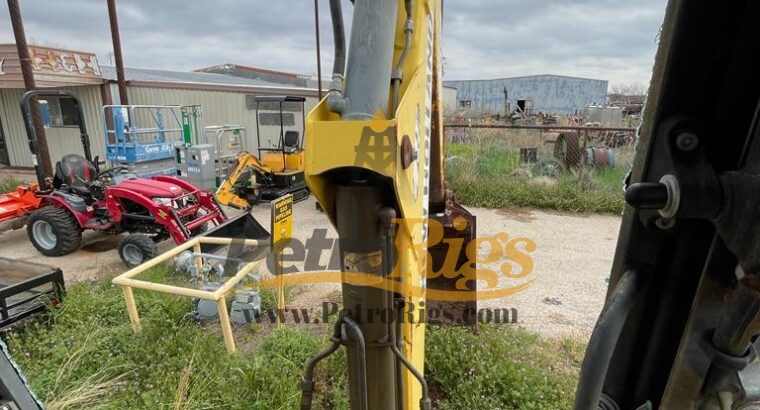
(243, 226)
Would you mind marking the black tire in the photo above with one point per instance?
(137, 248)
(159, 238)
(64, 235)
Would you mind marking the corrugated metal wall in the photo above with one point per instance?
(61, 140)
(550, 93)
(219, 108)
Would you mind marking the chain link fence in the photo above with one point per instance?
(576, 168)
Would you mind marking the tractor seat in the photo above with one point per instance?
(290, 141)
(76, 172)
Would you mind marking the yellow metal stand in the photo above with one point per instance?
(127, 281)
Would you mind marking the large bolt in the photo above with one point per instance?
(687, 141)
(408, 153)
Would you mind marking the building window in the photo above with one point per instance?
(273, 118)
(59, 112)
(289, 106)
(465, 103)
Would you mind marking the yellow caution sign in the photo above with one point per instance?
(282, 222)
(282, 232)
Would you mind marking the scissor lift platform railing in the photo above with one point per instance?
(143, 136)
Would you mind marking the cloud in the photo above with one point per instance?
(604, 39)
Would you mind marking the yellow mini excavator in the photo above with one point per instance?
(279, 168)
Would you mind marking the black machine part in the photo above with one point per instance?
(14, 391)
(689, 235)
(27, 291)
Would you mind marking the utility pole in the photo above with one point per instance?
(319, 62)
(120, 78)
(27, 73)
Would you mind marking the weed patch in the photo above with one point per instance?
(486, 172)
(85, 355)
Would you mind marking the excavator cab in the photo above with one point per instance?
(278, 117)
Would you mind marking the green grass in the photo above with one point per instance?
(86, 356)
(502, 367)
(8, 185)
(487, 173)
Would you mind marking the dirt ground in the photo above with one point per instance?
(571, 262)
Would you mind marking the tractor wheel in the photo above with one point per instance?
(54, 231)
(137, 248)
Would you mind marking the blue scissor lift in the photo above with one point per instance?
(144, 137)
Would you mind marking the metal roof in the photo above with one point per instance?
(279, 98)
(164, 76)
(241, 67)
(521, 77)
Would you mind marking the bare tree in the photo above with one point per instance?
(634, 89)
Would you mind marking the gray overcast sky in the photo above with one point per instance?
(606, 39)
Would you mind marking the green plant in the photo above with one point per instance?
(9, 185)
(85, 355)
(486, 172)
(503, 367)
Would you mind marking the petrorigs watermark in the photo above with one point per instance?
(410, 313)
(505, 269)
(510, 257)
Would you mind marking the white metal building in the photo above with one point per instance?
(225, 99)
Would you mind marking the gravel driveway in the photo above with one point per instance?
(571, 262)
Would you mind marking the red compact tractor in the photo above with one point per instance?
(81, 197)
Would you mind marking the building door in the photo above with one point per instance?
(4, 160)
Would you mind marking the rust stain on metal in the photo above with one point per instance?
(457, 222)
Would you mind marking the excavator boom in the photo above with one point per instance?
(374, 162)
(240, 189)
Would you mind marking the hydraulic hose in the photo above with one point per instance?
(387, 215)
(339, 37)
(307, 382)
(397, 76)
(604, 340)
(335, 101)
(353, 328)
